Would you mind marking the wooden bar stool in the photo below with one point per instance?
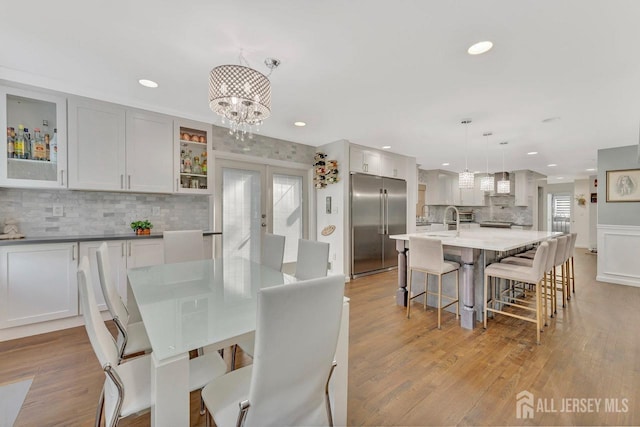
(532, 275)
(427, 256)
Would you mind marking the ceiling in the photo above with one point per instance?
(373, 72)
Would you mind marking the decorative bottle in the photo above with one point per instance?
(53, 146)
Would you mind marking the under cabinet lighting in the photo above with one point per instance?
(299, 124)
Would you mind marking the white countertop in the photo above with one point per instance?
(494, 239)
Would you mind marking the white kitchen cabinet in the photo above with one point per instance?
(149, 152)
(473, 196)
(37, 283)
(393, 166)
(145, 252)
(192, 149)
(114, 148)
(96, 145)
(33, 109)
(118, 264)
(364, 161)
(442, 188)
(522, 191)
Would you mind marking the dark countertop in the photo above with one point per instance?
(88, 238)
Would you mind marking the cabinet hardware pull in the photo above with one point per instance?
(62, 178)
(73, 252)
(129, 248)
(122, 247)
(129, 176)
(122, 181)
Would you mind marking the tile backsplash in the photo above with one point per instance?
(262, 146)
(95, 213)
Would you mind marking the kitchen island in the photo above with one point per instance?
(473, 249)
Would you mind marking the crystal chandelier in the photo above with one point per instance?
(466, 178)
(241, 96)
(487, 182)
(504, 185)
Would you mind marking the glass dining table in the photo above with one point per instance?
(210, 303)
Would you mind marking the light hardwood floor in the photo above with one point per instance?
(407, 372)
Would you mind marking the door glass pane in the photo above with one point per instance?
(29, 122)
(561, 215)
(241, 210)
(287, 212)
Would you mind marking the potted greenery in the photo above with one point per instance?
(142, 227)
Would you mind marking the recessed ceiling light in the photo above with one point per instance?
(531, 153)
(386, 147)
(147, 83)
(552, 165)
(445, 164)
(299, 124)
(560, 177)
(591, 169)
(480, 47)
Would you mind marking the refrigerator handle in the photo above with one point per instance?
(381, 229)
(386, 213)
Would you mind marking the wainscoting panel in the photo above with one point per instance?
(618, 254)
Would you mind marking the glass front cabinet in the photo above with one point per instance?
(192, 151)
(35, 149)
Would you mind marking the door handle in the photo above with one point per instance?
(264, 224)
(386, 214)
(381, 228)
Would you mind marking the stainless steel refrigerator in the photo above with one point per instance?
(378, 209)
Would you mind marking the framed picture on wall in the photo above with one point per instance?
(623, 185)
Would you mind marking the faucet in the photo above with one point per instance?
(444, 220)
(423, 212)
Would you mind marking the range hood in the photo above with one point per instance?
(498, 176)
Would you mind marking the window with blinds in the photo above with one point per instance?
(561, 206)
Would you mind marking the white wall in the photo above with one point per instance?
(580, 220)
(339, 240)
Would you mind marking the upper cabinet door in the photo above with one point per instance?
(96, 145)
(25, 159)
(365, 161)
(149, 152)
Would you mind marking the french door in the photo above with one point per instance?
(255, 199)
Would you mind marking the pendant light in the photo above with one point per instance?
(466, 178)
(487, 182)
(504, 185)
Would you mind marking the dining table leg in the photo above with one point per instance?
(170, 391)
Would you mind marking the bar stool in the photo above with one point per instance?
(560, 259)
(427, 256)
(532, 275)
(547, 277)
(570, 266)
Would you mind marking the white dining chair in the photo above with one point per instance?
(272, 255)
(132, 337)
(183, 245)
(288, 382)
(272, 251)
(313, 259)
(127, 386)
